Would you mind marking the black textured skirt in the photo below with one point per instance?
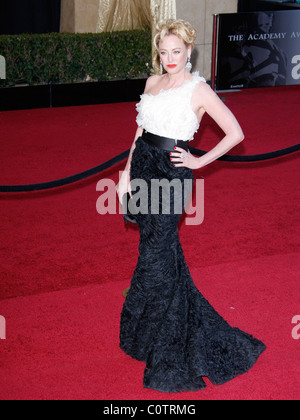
(165, 321)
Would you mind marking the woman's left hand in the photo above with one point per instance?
(183, 159)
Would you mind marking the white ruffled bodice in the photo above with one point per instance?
(170, 113)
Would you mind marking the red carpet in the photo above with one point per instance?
(63, 266)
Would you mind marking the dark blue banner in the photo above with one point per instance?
(258, 49)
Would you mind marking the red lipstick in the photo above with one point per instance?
(172, 66)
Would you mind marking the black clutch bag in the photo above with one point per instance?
(128, 217)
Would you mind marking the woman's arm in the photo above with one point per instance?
(124, 185)
(206, 100)
(138, 134)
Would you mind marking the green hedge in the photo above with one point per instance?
(72, 58)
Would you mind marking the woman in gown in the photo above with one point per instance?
(165, 321)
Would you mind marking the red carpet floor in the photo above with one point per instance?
(64, 267)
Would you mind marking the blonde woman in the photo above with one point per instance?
(165, 321)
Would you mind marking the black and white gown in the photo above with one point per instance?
(165, 321)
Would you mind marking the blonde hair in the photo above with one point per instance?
(182, 29)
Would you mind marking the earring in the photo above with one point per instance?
(161, 68)
(189, 65)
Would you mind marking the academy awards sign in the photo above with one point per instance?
(258, 49)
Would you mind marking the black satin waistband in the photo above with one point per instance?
(164, 143)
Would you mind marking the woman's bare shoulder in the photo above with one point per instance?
(152, 81)
(204, 88)
(203, 93)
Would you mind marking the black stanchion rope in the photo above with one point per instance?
(119, 158)
(65, 181)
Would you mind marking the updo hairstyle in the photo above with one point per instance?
(180, 28)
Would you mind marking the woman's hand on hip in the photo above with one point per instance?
(184, 159)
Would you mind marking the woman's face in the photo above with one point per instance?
(173, 53)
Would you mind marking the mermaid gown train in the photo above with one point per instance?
(165, 321)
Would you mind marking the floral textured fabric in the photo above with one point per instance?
(165, 321)
(169, 113)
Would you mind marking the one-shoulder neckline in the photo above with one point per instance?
(196, 76)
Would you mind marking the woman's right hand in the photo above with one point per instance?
(124, 186)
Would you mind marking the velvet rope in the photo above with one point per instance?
(251, 158)
(119, 158)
